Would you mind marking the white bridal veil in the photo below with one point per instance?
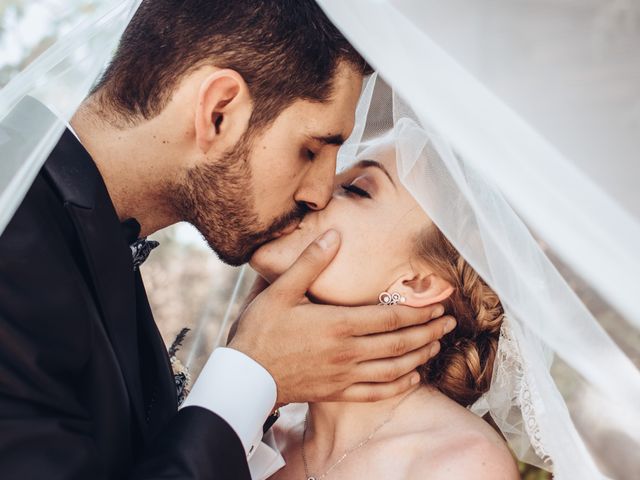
(60, 78)
(511, 117)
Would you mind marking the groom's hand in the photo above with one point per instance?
(327, 353)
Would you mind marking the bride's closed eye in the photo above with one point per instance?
(355, 190)
(359, 185)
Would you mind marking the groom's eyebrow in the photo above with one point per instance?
(373, 163)
(330, 139)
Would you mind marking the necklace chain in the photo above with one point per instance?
(349, 451)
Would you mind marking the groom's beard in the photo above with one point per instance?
(217, 200)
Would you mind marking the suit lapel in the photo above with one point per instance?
(158, 380)
(106, 251)
(118, 291)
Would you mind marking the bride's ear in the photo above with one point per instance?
(223, 110)
(420, 289)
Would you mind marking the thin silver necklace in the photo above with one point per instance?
(349, 451)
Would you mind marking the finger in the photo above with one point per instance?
(380, 318)
(390, 369)
(373, 392)
(315, 258)
(400, 342)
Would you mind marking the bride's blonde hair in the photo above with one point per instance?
(463, 368)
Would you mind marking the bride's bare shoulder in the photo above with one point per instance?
(462, 445)
(473, 456)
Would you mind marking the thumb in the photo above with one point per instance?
(315, 258)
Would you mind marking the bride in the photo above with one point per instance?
(391, 252)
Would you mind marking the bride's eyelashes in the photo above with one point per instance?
(351, 188)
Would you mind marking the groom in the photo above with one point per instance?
(227, 115)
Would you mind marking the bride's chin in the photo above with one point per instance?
(274, 258)
(267, 275)
(263, 268)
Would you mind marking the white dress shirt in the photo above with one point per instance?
(243, 393)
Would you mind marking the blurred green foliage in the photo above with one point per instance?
(529, 472)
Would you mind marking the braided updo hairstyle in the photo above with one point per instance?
(463, 368)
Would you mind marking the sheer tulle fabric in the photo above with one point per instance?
(545, 318)
(464, 64)
(527, 112)
(60, 78)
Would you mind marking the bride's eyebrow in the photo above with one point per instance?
(375, 164)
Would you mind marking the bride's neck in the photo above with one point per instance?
(334, 427)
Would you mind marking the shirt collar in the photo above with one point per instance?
(130, 230)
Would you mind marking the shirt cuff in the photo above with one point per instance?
(267, 460)
(239, 390)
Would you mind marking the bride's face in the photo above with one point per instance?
(378, 220)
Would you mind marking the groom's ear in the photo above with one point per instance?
(223, 111)
(422, 289)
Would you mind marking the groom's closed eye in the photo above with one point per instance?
(310, 154)
(318, 142)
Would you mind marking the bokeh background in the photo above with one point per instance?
(188, 286)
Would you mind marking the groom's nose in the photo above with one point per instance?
(316, 188)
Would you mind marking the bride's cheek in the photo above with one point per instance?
(338, 284)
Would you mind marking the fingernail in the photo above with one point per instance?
(437, 312)
(415, 379)
(328, 239)
(435, 348)
(451, 324)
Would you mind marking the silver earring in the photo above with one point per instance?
(392, 298)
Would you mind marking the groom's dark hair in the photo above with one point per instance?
(284, 49)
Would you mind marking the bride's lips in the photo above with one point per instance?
(287, 230)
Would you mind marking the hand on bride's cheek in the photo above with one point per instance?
(378, 221)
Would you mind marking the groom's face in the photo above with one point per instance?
(264, 185)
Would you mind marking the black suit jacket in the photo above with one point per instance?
(86, 389)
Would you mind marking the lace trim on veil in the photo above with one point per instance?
(514, 403)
